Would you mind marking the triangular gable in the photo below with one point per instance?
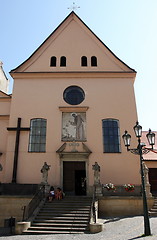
(73, 39)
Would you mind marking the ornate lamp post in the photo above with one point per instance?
(140, 150)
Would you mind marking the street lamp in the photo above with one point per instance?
(140, 150)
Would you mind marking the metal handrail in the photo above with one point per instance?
(33, 204)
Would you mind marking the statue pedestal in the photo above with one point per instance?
(21, 226)
(148, 193)
(96, 227)
(46, 188)
(98, 190)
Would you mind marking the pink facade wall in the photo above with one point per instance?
(43, 99)
(4, 122)
(38, 93)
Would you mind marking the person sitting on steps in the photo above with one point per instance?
(51, 194)
(59, 194)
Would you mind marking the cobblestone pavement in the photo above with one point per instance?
(128, 228)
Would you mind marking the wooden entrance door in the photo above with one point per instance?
(153, 179)
(74, 178)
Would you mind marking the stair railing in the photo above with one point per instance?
(34, 203)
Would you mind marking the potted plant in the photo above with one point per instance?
(129, 187)
(110, 187)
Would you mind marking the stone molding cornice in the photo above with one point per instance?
(92, 74)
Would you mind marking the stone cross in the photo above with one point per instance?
(73, 7)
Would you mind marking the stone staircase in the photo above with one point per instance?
(153, 210)
(69, 215)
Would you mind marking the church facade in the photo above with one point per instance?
(72, 101)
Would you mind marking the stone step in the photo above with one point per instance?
(70, 215)
(61, 224)
(71, 210)
(152, 214)
(63, 214)
(77, 198)
(53, 206)
(62, 217)
(153, 210)
(71, 200)
(81, 210)
(62, 228)
(61, 208)
(32, 232)
(60, 221)
(59, 203)
(154, 207)
(44, 211)
(66, 204)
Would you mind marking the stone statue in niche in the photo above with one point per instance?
(44, 170)
(96, 169)
(74, 126)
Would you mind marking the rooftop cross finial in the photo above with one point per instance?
(74, 7)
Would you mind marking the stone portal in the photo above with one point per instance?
(74, 178)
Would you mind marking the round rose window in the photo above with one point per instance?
(73, 95)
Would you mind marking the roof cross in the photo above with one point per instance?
(74, 7)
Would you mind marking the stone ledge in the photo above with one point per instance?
(122, 206)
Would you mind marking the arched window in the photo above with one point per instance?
(93, 61)
(37, 138)
(111, 135)
(53, 61)
(84, 61)
(63, 61)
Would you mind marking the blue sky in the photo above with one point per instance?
(127, 27)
